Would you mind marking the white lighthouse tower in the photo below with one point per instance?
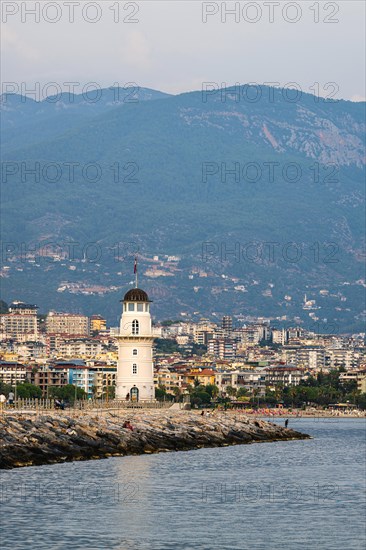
(135, 371)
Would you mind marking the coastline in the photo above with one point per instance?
(317, 415)
(29, 440)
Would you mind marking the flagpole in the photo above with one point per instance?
(135, 270)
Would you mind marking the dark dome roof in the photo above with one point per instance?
(136, 295)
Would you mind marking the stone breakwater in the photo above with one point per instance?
(26, 440)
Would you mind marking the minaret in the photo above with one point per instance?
(135, 371)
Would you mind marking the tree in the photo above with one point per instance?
(6, 388)
(111, 391)
(3, 307)
(212, 389)
(349, 386)
(161, 394)
(166, 345)
(200, 397)
(28, 391)
(231, 391)
(360, 400)
(198, 349)
(311, 382)
(242, 392)
(255, 399)
(67, 392)
(293, 393)
(279, 392)
(177, 391)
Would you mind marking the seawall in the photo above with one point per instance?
(28, 440)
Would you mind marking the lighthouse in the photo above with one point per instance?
(135, 371)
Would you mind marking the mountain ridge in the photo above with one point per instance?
(186, 176)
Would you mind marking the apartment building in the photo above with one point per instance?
(47, 377)
(12, 372)
(168, 378)
(20, 323)
(97, 324)
(222, 348)
(344, 357)
(77, 347)
(104, 378)
(283, 375)
(248, 379)
(67, 324)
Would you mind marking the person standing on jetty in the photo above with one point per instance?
(286, 422)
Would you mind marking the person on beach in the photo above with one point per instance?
(203, 413)
(11, 398)
(286, 422)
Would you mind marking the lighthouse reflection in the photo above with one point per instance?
(135, 492)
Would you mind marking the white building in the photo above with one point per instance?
(12, 372)
(69, 324)
(78, 347)
(249, 379)
(343, 357)
(135, 371)
(20, 324)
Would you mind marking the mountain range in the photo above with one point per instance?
(198, 185)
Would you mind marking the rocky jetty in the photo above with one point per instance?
(27, 440)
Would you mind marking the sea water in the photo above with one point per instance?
(307, 494)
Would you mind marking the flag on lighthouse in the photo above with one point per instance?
(135, 266)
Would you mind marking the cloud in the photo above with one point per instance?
(13, 44)
(358, 98)
(136, 51)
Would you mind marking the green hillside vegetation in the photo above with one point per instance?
(162, 201)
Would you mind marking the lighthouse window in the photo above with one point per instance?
(146, 307)
(135, 326)
(140, 307)
(134, 352)
(134, 368)
(131, 307)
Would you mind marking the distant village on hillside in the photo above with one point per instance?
(205, 285)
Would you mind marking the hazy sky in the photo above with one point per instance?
(170, 48)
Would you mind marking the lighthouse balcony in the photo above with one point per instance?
(135, 338)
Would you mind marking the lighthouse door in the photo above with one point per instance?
(134, 394)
